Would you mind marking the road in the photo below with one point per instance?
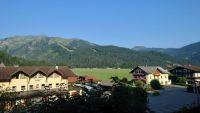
(171, 99)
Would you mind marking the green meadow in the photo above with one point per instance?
(102, 74)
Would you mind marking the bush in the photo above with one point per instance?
(139, 83)
(148, 87)
(129, 100)
(155, 84)
(181, 80)
(173, 78)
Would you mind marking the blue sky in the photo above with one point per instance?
(126, 23)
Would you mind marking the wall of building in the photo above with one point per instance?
(37, 82)
(196, 76)
(163, 79)
(4, 86)
(56, 81)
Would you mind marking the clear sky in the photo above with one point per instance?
(126, 23)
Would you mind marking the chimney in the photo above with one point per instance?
(57, 67)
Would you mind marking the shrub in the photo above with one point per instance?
(173, 78)
(181, 80)
(148, 87)
(139, 83)
(155, 84)
(127, 99)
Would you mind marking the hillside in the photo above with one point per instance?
(8, 60)
(190, 52)
(80, 53)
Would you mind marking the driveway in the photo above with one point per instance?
(171, 99)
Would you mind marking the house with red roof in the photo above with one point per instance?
(27, 78)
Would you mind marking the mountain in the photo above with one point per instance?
(190, 52)
(8, 60)
(143, 48)
(80, 53)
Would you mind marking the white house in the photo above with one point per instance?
(148, 73)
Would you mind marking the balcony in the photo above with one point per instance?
(138, 74)
(139, 78)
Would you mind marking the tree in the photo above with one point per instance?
(155, 84)
(139, 83)
(126, 99)
(181, 80)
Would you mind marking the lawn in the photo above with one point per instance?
(103, 74)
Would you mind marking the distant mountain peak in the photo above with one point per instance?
(80, 53)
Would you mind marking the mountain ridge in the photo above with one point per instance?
(80, 53)
(189, 52)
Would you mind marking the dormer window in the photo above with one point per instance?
(51, 76)
(22, 76)
(40, 75)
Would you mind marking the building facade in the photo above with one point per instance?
(148, 73)
(17, 79)
(192, 73)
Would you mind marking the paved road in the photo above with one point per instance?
(171, 99)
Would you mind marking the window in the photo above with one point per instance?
(160, 76)
(37, 86)
(40, 76)
(43, 86)
(50, 85)
(165, 76)
(14, 88)
(57, 85)
(23, 88)
(56, 76)
(165, 82)
(51, 76)
(30, 87)
(22, 76)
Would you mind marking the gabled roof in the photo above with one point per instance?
(190, 67)
(75, 79)
(7, 72)
(194, 68)
(151, 69)
(2, 64)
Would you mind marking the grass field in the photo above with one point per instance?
(103, 74)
